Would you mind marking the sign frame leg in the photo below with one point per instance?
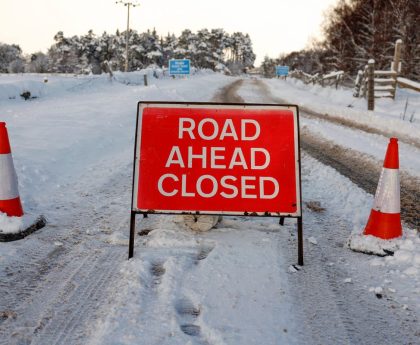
(300, 240)
(132, 234)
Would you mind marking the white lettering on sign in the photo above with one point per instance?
(178, 160)
(238, 158)
(244, 126)
(208, 129)
(217, 157)
(214, 157)
(254, 151)
(160, 184)
(199, 186)
(229, 186)
(262, 185)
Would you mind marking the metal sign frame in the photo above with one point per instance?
(282, 216)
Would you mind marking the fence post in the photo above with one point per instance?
(395, 66)
(371, 84)
(397, 56)
(358, 84)
(365, 80)
(145, 79)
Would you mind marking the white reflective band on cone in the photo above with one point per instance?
(8, 178)
(387, 197)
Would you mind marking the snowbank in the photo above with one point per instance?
(388, 114)
(80, 124)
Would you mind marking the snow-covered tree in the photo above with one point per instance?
(268, 67)
(38, 63)
(169, 44)
(206, 49)
(63, 55)
(356, 30)
(10, 58)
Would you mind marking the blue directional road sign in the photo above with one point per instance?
(282, 71)
(179, 66)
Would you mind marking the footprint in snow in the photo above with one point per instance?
(157, 270)
(192, 330)
(204, 252)
(188, 313)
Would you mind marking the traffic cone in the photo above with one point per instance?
(385, 220)
(9, 195)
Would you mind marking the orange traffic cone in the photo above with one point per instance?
(9, 194)
(385, 220)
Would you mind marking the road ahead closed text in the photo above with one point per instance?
(225, 160)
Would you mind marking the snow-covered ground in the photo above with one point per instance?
(388, 114)
(70, 282)
(76, 123)
(330, 101)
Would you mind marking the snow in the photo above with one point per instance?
(371, 245)
(312, 240)
(79, 124)
(334, 74)
(235, 284)
(12, 225)
(330, 101)
(341, 103)
(371, 144)
(411, 83)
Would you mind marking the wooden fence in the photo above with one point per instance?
(329, 79)
(371, 83)
(408, 84)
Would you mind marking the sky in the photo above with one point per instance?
(275, 26)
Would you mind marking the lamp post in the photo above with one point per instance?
(128, 4)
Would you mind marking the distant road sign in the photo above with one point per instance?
(179, 66)
(282, 71)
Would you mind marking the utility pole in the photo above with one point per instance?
(128, 4)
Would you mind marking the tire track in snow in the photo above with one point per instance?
(330, 310)
(304, 111)
(364, 172)
(55, 294)
(339, 312)
(68, 323)
(361, 169)
(229, 93)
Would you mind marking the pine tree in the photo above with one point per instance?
(10, 58)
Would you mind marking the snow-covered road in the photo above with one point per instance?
(70, 283)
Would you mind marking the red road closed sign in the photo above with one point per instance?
(217, 159)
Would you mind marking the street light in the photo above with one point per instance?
(128, 4)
